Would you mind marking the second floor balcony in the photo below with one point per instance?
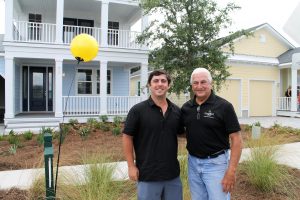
(113, 23)
(46, 33)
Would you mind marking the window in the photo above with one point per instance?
(113, 33)
(84, 81)
(108, 81)
(34, 26)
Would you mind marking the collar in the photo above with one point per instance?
(151, 102)
(211, 99)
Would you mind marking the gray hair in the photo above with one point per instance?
(201, 70)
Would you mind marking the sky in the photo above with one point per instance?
(252, 13)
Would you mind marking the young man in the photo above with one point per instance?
(150, 132)
(210, 123)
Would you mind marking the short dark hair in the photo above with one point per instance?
(157, 73)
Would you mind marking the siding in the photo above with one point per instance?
(69, 72)
(120, 81)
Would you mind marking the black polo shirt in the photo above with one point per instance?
(209, 132)
(155, 139)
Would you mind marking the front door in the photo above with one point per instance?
(37, 89)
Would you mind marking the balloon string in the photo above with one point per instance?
(60, 126)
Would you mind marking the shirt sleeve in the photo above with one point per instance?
(231, 121)
(131, 123)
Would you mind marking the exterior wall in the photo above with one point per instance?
(134, 85)
(262, 43)
(231, 91)
(68, 74)
(247, 73)
(120, 81)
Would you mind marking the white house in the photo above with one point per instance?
(39, 67)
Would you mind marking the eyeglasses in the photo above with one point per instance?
(198, 112)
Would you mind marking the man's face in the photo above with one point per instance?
(201, 85)
(159, 85)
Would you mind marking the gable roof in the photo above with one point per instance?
(274, 32)
(286, 57)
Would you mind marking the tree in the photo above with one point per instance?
(188, 38)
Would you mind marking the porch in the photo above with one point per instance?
(287, 107)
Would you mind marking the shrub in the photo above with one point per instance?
(13, 138)
(40, 139)
(103, 118)
(28, 135)
(91, 122)
(13, 149)
(263, 171)
(256, 124)
(84, 132)
(117, 120)
(73, 122)
(116, 130)
(46, 130)
(1, 137)
(104, 126)
(64, 130)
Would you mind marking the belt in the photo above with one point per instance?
(214, 155)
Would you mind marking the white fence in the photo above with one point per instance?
(90, 105)
(46, 33)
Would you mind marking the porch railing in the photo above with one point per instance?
(46, 33)
(34, 32)
(284, 103)
(90, 105)
(69, 32)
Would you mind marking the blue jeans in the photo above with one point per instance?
(205, 177)
(160, 190)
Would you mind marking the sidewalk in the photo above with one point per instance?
(289, 154)
(267, 122)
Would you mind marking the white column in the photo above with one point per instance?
(58, 88)
(295, 67)
(59, 20)
(103, 87)
(104, 23)
(144, 77)
(9, 87)
(9, 10)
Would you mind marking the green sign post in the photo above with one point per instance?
(48, 155)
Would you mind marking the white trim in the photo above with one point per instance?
(93, 81)
(285, 65)
(252, 59)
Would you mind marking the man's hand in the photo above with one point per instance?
(133, 173)
(228, 181)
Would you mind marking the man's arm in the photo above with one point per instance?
(133, 172)
(235, 154)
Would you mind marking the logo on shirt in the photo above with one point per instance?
(209, 114)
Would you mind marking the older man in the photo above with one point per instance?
(210, 123)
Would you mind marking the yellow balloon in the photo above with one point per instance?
(84, 47)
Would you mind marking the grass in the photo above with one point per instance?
(95, 182)
(263, 171)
